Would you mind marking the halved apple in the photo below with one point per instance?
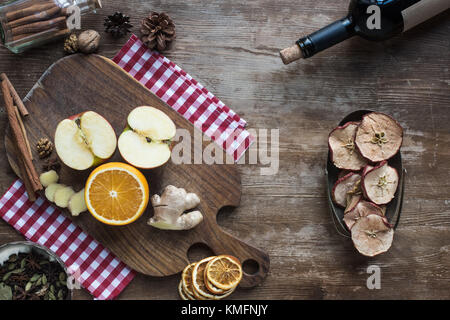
(85, 140)
(145, 143)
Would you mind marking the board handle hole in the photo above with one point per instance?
(250, 267)
(199, 251)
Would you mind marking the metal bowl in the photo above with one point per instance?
(394, 208)
(11, 248)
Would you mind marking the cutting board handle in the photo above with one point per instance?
(224, 243)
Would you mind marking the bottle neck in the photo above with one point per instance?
(326, 37)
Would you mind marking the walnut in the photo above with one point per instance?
(71, 44)
(44, 148)
(88, 41)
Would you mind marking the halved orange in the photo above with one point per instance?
(116, 193)
(224, 272)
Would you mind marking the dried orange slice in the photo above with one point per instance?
(201, 292)
(116, 193)
(183, 294)
(198, 284)
(212, 288)
(186, 279)
(224, 272)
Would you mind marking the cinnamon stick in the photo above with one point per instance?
(23, 172)
(24, 131)
(28, 171)
(38, 16)
(51, 33)
(20, 13)
(19, 103)
(37, 26)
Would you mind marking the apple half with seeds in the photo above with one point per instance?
(345, 185)
(380, 184)
(343, 152)
(85, 140)
(378, 137)
(372, 235)
(145, 142)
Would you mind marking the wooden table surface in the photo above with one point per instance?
(232, 48)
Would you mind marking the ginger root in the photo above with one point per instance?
(62, 196)
(77, 204)
(49, 177)
(51, 190)
(170, 207)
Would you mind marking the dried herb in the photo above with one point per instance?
(51, 164)
(31, 276)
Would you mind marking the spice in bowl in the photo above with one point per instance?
(32, 276)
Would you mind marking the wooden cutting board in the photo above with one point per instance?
(90, 82)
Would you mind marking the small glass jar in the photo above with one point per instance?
(30, 23)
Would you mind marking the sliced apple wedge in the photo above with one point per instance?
(145, 143)
(85, 140)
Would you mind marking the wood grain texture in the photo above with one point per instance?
(231, 47)
(100, 85)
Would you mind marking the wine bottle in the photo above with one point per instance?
(375, 20)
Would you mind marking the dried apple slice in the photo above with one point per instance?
(372, 235)
(362, 209)
(352, 201)
(343, 186)
(378, 137)
(344, 154)
(366, 169)
(343, 173)
(380, 184)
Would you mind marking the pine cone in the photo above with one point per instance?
(71, 44)
(44, 147)
(118, 25)
(158, 31)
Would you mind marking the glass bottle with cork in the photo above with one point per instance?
(30, 23)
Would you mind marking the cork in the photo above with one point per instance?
(98, 4)
(291, 54)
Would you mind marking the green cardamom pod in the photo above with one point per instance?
(44, 279)
(28, 286)
(17, 271)
(6, 276)
(11, 266)
(60, 295)
(62, 276)
(35, 277)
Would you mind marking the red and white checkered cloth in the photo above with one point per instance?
(185, 95)
(91, 264)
